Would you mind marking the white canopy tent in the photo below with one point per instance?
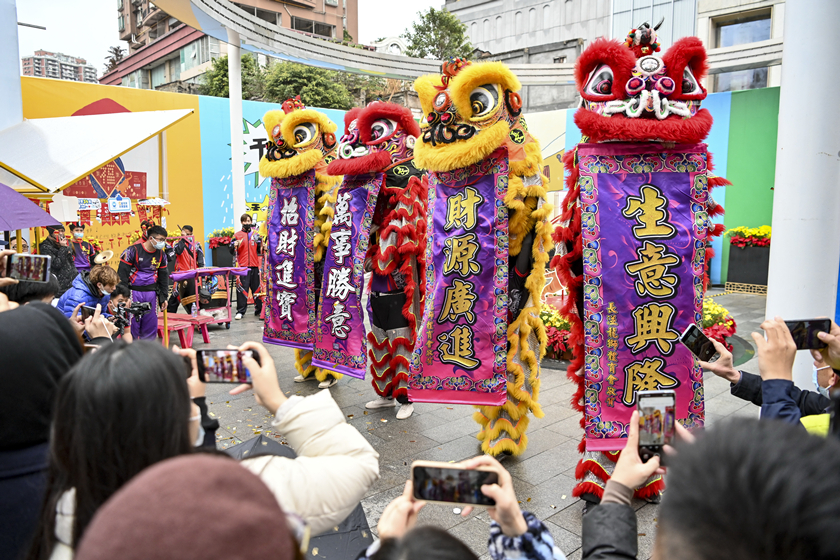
(43, 156)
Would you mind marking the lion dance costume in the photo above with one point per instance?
(380, 220)
(299, 220)
(481, 339)
(633, 242)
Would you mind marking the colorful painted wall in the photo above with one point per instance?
(743, 146)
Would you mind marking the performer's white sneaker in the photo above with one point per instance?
(300, 379)
(327, 383)
(238, 316)
(405, 411)
(381, 402)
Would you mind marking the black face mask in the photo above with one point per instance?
(246, 227)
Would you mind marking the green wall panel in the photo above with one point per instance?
(753, 127)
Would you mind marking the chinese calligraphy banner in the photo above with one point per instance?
(643, 218)
(340, 343)
(460, 357)
(290, 313)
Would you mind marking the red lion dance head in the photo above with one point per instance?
(376, 137)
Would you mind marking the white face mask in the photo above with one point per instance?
(104, 291)
(821, 390)
(160, 246)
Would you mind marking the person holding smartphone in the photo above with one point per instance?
(56, 246)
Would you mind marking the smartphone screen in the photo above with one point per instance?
(223, 366)
(453, 485)
(698, 343)
(657, 413)
(28, 268)
(805, 331)
(86, 311)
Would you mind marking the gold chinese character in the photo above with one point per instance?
(653, 324)
(610, 401)
(611, 392)
(460, 209)
(645, 376)
(651, 271)
(611, 307)
(456, 347)
(611, 379)
(611, 368)
(612, 332)
(612, 356)
(458, 300)
(611, 320)
(649, 209)
(612, 343)
(460, 252)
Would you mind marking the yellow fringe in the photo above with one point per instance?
(446, 157)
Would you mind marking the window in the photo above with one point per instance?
(487, 36)
(559, 60)
(474, 32)
(519, 23)
(119, 4)
(313, 27)
(532, 19)
(121, 23)
(158, 75)
(546, 17)
(500, 28)
(680, 18)
(331, 2)
(743, 29)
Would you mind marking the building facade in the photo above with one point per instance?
(557, 32)
(163, 53)
(59, 66)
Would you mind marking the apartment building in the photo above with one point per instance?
(60, 66)
(163, 53)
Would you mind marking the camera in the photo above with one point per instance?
(123, 314)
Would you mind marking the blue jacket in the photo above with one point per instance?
(81, 292)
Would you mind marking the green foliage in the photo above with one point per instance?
(373, 86)
(317, 87)
(437, 34)
(115, 54)
(215, 81)
(347, 36)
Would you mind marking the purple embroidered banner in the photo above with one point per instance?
(644, 222)
(290, 301)
(460, 357)
(340, 343)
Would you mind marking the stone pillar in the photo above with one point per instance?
(236, 136)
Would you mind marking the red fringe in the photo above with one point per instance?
(587, 488)
(589, 466)
(651, 490)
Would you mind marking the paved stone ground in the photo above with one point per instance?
(543, 476)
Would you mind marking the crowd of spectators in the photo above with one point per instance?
(107, 450)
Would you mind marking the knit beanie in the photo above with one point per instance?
(193, 506)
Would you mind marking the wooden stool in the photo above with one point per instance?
(183, 328)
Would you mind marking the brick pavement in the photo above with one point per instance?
(543, 476)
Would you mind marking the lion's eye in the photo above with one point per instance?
(600, 81)
(382, 128)
(689, 83)
(305, 132)
(483, 100)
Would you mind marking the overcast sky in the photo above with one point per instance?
(86, 28)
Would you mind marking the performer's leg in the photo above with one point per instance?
(303, 364)
(242, 294)
(146, 327)
(188, 294)
(390, 350)
(254, 284)
(174, 299)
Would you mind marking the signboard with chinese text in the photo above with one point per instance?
(290, 301)
(461, 352)
(119, 205)
(340, 341)
(644, 222)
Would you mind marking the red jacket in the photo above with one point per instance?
(246, 251)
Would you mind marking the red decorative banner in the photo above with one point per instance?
(103, 182)
(85, 217)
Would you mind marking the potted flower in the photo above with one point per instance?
(749, 255)
(219, 241)
(717, 323)
(557, 330)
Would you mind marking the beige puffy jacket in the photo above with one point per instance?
(334, 468)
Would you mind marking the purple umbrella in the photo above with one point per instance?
(18, 212)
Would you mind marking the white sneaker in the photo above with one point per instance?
(327, 383)
(405, 411)
(238, 316)
(300, 379)
(381, 402)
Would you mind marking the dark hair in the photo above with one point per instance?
(243, 217)
(756, 490)
(24, 292)
(157, 230)
(119, 410)
(122, 289)
(187, 227)
(422, 543)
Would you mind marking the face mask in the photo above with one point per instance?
(246, 227)
(821, 390)
(104, 291)
(199, 437)
(160, 245)
(78, 235)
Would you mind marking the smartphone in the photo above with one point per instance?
(804, 332)
(28, 268)
(657, 414)
(224, 366)
(86, 311)
(448, 484)
(698, 343)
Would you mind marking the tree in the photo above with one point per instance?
(115, 54)
(347, 36)
(317, 87)
(438, 34)
(215, 81)
(362, 88)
